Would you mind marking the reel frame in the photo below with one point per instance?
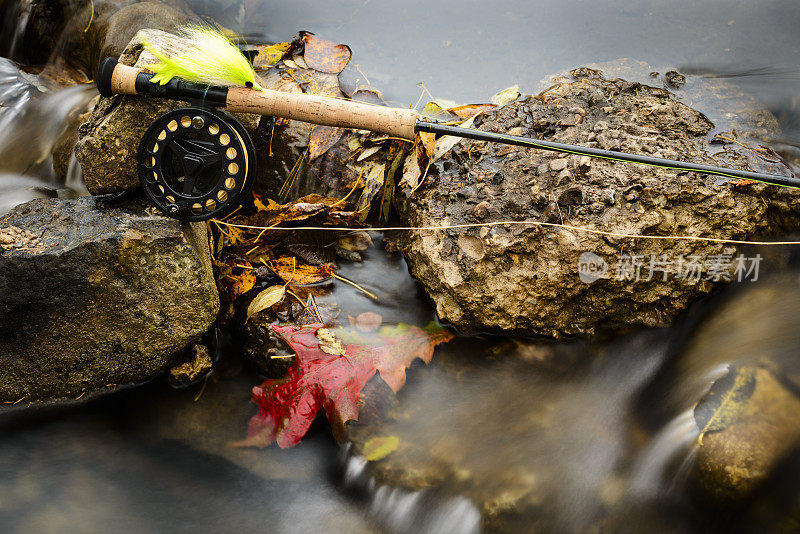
(196, 163)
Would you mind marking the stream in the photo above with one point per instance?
(574, 435)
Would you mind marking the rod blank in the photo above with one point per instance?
(528, 142)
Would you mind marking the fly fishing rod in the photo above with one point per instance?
(197, 163)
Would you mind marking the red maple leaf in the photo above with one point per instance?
(331, 368)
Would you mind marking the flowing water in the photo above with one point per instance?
(573, 436)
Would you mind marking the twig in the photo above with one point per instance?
(202, 389)
(91, 17)
(343, 279)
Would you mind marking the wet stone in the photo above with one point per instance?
(532, 274)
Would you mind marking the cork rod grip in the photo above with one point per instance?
(324, 110)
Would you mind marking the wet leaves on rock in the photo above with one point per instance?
(269, 55)
(322, 139)
(323, 55)
(297, 273)
(266, 299)
(726, 399)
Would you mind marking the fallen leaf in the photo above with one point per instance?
(374, 182)
(505, 96)
(334, 168)
(260, 206)
(322, 139)
(446, 142)
(368, 321)
(269, 55)
(368, 152)
(331, 368)
(301, 274)
(380, 447)
(411, 172)
(764, 159)
(316, 83)
(238, 277)
(270, 296)
(724, 402)
(471, 110)
(369, 96)
(324, 55)
(428, 141)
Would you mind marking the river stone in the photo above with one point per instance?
(94, 297)
(732, 462)
(108, 141)
(526, 279)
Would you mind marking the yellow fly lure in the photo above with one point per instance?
(208, 58)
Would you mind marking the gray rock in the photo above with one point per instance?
(96, 297)
(526, 278)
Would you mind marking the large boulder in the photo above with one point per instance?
(526, 278)
(95, 297)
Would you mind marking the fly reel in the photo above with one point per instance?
(196, 163)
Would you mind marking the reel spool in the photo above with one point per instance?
(196, 163)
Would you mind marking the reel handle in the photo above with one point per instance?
(116, 78)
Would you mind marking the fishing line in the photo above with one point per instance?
(503, 223)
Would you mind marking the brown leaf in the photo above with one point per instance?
(324, 55)
(301, 274)
(334, 169)
(322, 139)
(316, 83)
(269, 55)
(369, 96)
(237, 277)
(471, 110)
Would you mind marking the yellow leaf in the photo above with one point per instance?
(367, 153)
(379, 448)
(265, 299)
(372, 186)
(506, 95)
(411, 172)
(428, 141)
(269, 55)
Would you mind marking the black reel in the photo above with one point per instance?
(196, 163)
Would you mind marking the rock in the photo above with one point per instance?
(675, 79)
(100, 297)
(264, 348)
(194, 369)
(60, 28)
(527, 277)
(109, 140)
(732, 462)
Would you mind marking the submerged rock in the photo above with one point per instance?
(558, 280)
(754, 427)
(92, 298)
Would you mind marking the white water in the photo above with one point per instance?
(401, 511)
(649, 475)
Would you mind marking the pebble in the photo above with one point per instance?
(558, 164)
(481, 210)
